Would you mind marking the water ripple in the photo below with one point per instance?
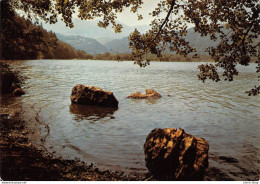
(220, 112)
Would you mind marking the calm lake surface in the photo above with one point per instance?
(113, 138)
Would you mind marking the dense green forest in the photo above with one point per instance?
(21, 39)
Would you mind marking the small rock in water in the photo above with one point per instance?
(18, 92)
(175, 155)
(150, 93)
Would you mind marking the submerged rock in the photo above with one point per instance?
(92, 95)
(150, 93)
(175, 155)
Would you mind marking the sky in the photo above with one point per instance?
(131, 19)
(126, 17)
(147, 7)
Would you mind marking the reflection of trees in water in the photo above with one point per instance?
(93, 113)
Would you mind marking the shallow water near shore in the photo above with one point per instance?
(113, 138)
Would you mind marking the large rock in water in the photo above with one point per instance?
(150, 93)
(92, 95)
(175, 155)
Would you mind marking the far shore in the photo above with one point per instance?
(197, 61)
(8, 60)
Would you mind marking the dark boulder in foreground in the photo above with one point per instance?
(150, 93)
(175, 155)
(92, 95)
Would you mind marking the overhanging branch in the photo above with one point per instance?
(165, 20)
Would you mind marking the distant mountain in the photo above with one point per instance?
(194, 38)
(114, 45)
(121, 45)
(89, 29)
(118, 46)
(199, 42)
(196, 41)
(89, 45)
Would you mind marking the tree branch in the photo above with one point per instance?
(165, 20)
(246, 33)
(254, 16)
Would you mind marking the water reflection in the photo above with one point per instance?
(87, 112)
(147, 100)
(219, 112)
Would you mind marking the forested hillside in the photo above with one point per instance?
(21, 39)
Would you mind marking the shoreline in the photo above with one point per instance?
(17, 126)
(22, 161)
(25, 159)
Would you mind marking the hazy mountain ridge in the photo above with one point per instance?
(196, 41)
(94, 40)
(118, 46)
(89, 29)
(121, 45)
(89, 45)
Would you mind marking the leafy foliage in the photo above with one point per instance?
(211, 18)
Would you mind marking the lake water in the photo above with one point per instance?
(113, 138)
